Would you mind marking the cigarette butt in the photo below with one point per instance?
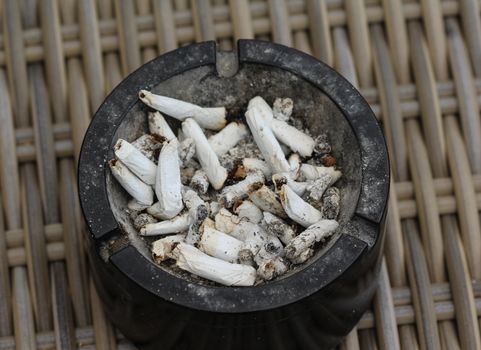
(278, 227)
(282, 108)
(220, 245)
(322, 146)
(317, 232)
(265, 111)
(132, 184)
(312, 172)
(295, 164)
(178, 224)
(239, 190)
(162, 248)
(159, 126)
(186, 150)
(200, 182)
(254, 164)
(209, 118)
(269, 250)
(225, 221)
(138, 163)
(149, 146)
(194, 261)
(249, 211)
(269, 269)
(297, 209)
(295, 139)
(253, 235)
(266, 200)
(331, 203)
(198, 212)
(316, 188)
(168, 184)
(205, 154)
(228, 137)
(246, 257)
(259, 124)
(285, 179)
(143, 219)
(303, 257)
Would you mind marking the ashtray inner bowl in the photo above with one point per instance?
(205, 87)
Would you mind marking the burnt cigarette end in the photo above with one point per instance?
(240, 172)
(328, 160)
(158, 138)
(278, 182)
(246, 257)
(255, 186)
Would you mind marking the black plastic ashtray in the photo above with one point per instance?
(312, 307)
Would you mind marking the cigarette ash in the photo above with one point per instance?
(229, 203)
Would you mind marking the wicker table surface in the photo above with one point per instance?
(417, 62)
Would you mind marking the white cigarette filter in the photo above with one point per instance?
(278, 227)
(200, 182)
(297, 209)
(259, 124)
(317, 232)
(285, 179)
(220, 245)
(132, 184)
(194, 261)
(312, 172)
(295, 139)
(282, 108)
(205, 154)
(178, 224)
(159, 126)
(209, 118)
(267, 200)
(225, 221)
(254, 164)
(137, 162)
(265, 110)
(168, 183)
(228, 137)
(249, 211)
(232, 193)
(162, 248)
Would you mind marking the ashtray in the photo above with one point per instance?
(315, 304)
